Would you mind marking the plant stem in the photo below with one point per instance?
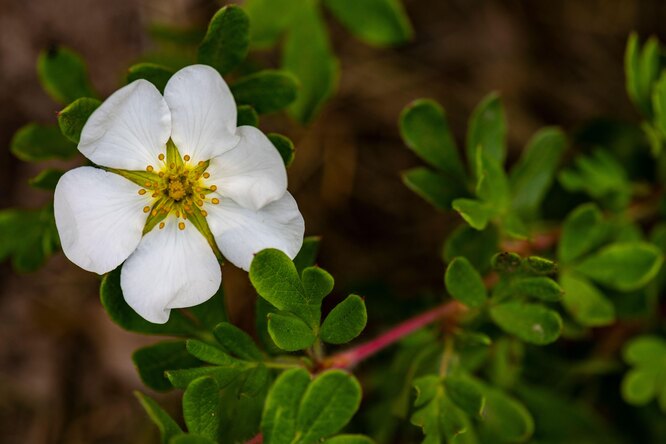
(352, 357)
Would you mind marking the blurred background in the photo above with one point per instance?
(65, 370)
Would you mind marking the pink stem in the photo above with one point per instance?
(258, 439)
(350, 358)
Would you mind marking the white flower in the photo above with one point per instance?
(174, 167)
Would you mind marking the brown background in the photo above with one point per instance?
(65, 370)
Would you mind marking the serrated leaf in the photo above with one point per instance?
(464, 283)
(327, 405)
(345, 322)
(152, 361)
(75, 115)
(201, 405)
(167, 426)
(227, 40)
(425, 130)
(476, 213)
(435, 188)
(465, 394)
(63, 74)
(247, 116)
(623, 266)
(237, 342)
(278, 422)
(533, 175)
(477, 246)
(266, 91)
(34, 143)
(487, 130)
(307, 54)
(377, 22)
(539, 287)
(47, 179)
(289, 332)
(585, 303)
(532, 323)
(122, 314)
(285, 147)
(156, 74)
(582, 231)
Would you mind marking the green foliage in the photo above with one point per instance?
(586, 304)
(647, 378)
(464, 283)
(530, 322)
(34, 143)
(478, 247)
(307, 55)
(47, 179)
(156, 74)
(377, 22)
(28, 237)
(486, 132)
(165, 423)
(247, 116)
(235, 341)
(289, 332)
(345, 322)
(227, 40)
(266, 91)
(75, 115)
(63, 75)
(641, 67)
(201, 405)
(284, 146)
(154, 360)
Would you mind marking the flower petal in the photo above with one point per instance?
(203, 112)
(99, 218)
(241, 233)
(252, 174)
(129, 130)
(171, 268)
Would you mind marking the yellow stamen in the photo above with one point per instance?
(215, 201)
(204, 213)
(147, 184)
(181, 225)
(154, 213)
(146, 209)
(142, 191)
(206, 175)
(200, 203)
(186, 158)
(172, 165)
(161, 156)
(201, 163)
(161, 225)
(150, 168)
(213, 187)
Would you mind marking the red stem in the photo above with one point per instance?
(350, 358)
(258, 439)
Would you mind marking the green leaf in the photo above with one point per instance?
(278, 422)
(533, 175)
(269, 18)
(539, 265)
(585, 303)
(237, 342)
(623, 266)
(266, 91)
(476, 213)
(477, 246)
(464, 283)
(156, 74)
(247, 116)
(659, 105)
(191, 439)
(433, 187)
(582, 231)
(63, 75)
(167, 426)
(487, 130)
(34, 143)
(201, 405)
(227, 40)
(345, 322)
(425, 130)
(28, 237)
(284, 146)
(631, 70)
(223, 375)
(307, 54)
(328, 404)
(307, 256)
(47, 179)
(466, 395)
(289, 332)
(641, 70)
(492, 184)
(349, 439)
(208, 353)
(377, 22)
(530, 322)
(639, 386)
(211, 312)
(152, 361)
(317, 283)
(504, 418)
(75, 115)
(438, 416)
(539, 287)
(113, 302)
(646, 350)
